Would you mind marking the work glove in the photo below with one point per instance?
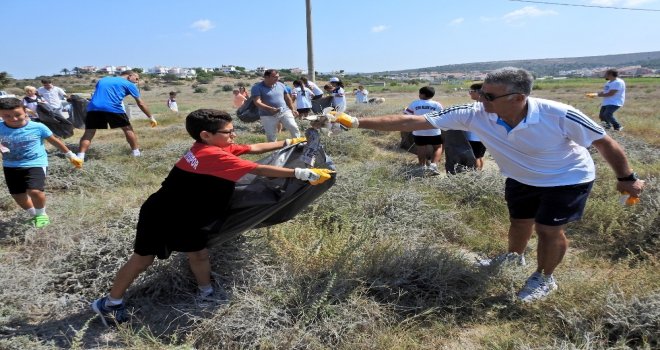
(628, 199)
(73, 159)
(153, 122)
(315, 176)
(294, 141)
(591, 94)
(343, 119)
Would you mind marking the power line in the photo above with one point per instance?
(596, 6)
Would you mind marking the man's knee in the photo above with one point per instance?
(198, 256)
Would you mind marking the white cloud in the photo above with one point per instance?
(203, 25)
(456, 21)
(378, 29)
(526, 12)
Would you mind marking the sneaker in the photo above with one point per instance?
(110, 315)
(537, 287)
(506, 258)
(217, 296)
(136, 153)
(40, 221)
(607, 125)
(433, 167)
(619, 128)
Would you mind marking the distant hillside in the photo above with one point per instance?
(550, 66)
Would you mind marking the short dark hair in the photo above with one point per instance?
(172, 93)
(210, 120)
(476, 86)
(269, 72)
(427, 91)
(46, 81)
(127, 72)
(613, 72)
(7, 103)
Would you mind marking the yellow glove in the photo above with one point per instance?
(343, 119)
(315, 176)
(73, 159)
(294, 141)
(627, 199)
(153, 122)
(591, 94)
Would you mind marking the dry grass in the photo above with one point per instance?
(382, 261)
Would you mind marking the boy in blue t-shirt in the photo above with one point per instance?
(24, 158)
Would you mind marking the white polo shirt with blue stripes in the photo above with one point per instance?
(547, 148)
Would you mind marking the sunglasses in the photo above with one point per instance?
(490, 97)
(232, 131)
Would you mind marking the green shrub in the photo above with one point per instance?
(200, 90)
(227, 87)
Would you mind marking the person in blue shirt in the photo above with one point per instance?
(107, 109)
(24, 158)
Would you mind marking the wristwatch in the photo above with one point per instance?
(631, 177)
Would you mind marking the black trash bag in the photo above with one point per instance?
(260, 202)
(248, 112)
(320, 103)
(458, 152)
(54, 120)
(78, 111)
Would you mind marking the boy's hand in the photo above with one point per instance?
(343, 119)
(153, 122)
(591, 94)
(294, 141)
(315, 176)
(73, 159)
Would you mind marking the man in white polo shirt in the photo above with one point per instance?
(52, 94)
(540, 146)
(614, 95)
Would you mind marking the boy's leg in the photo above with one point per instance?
(437, 154)
(421, 154)
(200, 264)
(135, 265)
(23, 200)
(37, 197)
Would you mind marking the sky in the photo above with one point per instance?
(352, 35)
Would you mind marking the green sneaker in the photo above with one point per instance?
(40, 221)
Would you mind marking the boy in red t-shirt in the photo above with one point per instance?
(204, 178)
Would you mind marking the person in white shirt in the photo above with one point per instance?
(52, 94)
(318, 93)
(338, 94)
(303, 98)
(478, 147)
(361, 95)
(541, 147)
(614, 96)
(431, 137)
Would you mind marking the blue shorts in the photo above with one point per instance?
(552, 206)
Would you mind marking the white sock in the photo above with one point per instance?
(41, 211)
(110, 301)
(205, 290)
(81, 155)
(31, 212)
(136, 153)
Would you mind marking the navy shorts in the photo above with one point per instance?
(427, 140)
(478, 149)
(19, 180)
(552, 206)
(101, 120)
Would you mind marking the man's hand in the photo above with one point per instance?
(153, 122)
(294, 141)
(343, 119)
(633, 188)
(591, 94)
(73, 159)
(315, 176)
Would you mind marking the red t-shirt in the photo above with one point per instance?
(215, 161)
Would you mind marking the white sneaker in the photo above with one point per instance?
(537, 287)
(433, 167)
(502, 259)
(136, 153)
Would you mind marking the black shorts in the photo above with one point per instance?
(304, 110)
(101, 120)
(427, 140)
(552, 206)
(478, 149)
(164, 227)
(19, 180)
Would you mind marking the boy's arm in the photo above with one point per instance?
(257, 148)
(77, 162)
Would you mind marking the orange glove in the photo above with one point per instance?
(591, 94)
(73, 159)
(294, 141)
(343, 119)
(153, 122)
(627, 199)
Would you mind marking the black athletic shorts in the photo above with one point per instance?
(478, 149)
(427, 140)
(19, 180)
(101, 120)
(552, 206)
(304, 110)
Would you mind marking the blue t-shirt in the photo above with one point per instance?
(109, 94)
(25, 145)
(272, 96)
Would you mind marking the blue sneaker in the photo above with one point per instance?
(110, 315)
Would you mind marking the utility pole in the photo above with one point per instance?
(311, 75)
